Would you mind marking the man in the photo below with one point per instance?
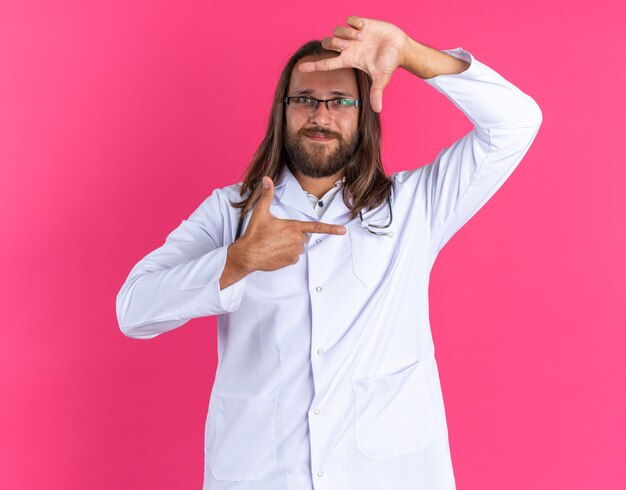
(326, 373)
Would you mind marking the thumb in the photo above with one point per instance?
(267, 196)
(376, 92)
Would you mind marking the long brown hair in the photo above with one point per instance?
(366, 181)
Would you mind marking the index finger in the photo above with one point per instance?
(319, 227)
(325, 64)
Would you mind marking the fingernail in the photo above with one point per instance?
(266, 184)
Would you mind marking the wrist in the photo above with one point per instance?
(405, 51)
(427, 62)
(233, 269)
(236, 258)
(415, 57)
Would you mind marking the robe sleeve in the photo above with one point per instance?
(464, 176)
(180, 280)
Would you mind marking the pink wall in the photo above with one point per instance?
(118, 118)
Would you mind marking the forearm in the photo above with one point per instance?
(427, 62)
(158, 297)
(468, 172)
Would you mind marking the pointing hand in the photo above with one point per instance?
(271, 243)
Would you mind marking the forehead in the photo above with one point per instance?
(333, 82)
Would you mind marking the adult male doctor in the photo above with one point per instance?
(326, 373)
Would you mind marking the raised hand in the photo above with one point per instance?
(373, 46)
(270, 243)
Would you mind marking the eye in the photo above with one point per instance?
(343, 102)
(303, 100)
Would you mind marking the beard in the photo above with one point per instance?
(316, 159)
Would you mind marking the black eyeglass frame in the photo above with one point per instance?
(287, 100)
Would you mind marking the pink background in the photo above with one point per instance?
(117, 118)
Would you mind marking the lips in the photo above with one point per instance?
(319, 137)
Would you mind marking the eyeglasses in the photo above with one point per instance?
(307, 104)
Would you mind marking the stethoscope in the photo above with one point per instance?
(366, 225)
(378, 229)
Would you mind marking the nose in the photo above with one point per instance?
(321, 115)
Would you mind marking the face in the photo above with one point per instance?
(312, 156)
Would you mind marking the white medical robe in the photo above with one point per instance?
(326, 374)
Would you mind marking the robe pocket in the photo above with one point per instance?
(371, 254)
(394, 413)
(245, 437)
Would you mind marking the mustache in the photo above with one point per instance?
(318, 131)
